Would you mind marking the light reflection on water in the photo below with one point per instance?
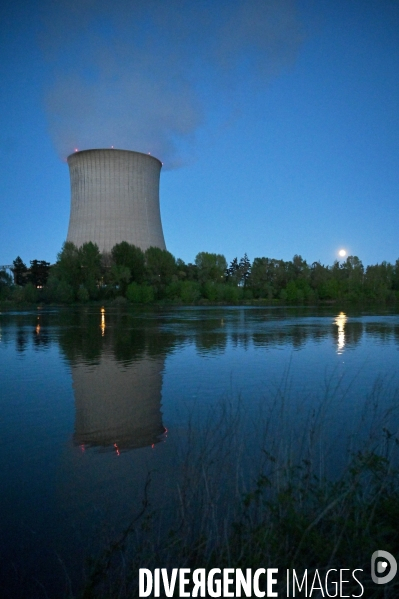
(75, 383)
(340, 321)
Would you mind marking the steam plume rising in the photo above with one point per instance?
(143, 74)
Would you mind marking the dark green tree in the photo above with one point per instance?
(129, 256)
(379, 281)
(118, 278)
(67, 268)
(319, 274)
(244, 269)
(89, 258)
(261, 278)
(20, 271)
(186, 272)
(299, 269)
(210, 267)
(160, 267)
(353, 277)
(321, 282)
(233, 272)
(39, 272)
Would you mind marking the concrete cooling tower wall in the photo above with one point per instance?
(114, 198)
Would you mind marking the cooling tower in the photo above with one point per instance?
(114, 198)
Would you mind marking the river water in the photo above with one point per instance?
(92, 400)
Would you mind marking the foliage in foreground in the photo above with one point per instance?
(290, 519)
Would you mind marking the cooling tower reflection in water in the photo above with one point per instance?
(116, 405)
(117, 382)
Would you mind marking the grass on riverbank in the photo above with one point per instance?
(292, 516)
(307, 524)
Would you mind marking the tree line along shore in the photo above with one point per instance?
(84, 274)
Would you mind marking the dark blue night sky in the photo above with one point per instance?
(277, 121)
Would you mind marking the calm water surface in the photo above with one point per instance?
(92, 400)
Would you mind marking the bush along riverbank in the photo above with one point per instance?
(84, 274)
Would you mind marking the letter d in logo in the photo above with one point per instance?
(384, 558)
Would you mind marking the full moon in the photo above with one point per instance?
(342, 253)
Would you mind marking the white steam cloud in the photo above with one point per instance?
(141, 74)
